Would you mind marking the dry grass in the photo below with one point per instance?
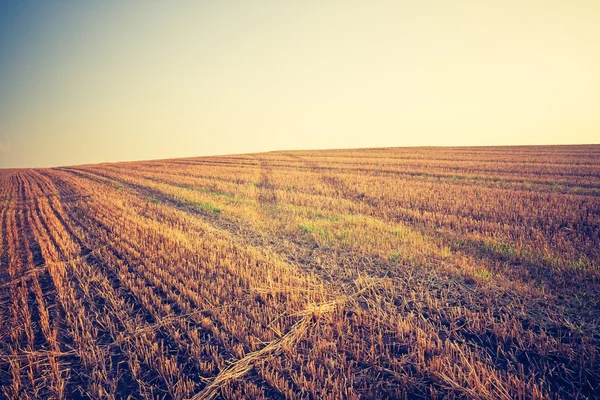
(377, 273)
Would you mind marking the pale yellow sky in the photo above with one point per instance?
(107, 81)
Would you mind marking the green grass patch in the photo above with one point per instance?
(202, 206)
(482, 274)
(504, 251)
(307, 227)
(153, 200)
(214, 192)
(581, 264)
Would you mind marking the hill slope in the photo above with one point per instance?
(421, 272)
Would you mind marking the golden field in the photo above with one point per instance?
(341, 274)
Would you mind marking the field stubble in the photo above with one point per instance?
(376, 273)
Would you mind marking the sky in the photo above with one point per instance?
(99, 81)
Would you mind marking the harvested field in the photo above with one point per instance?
(340, 274)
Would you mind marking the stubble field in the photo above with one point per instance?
(374, 273)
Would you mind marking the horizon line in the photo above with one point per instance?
(316, 149)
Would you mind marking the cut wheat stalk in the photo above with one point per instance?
(42, 267)
(239, 368)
